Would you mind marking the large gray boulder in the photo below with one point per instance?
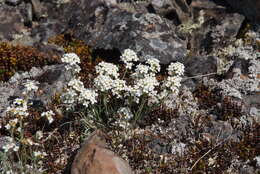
(111, 28)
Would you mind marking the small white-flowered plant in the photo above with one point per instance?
(125, 112)
(107, 69)
(31, 85)
(39, 154)
(72, 61)
(49, 115)
(87, 96)
(103, 83)
(128, 57)
(154, 65)
(141, 71)
(76, 84)
(39, 135)
(18, 107)
(10, 146)
(142, 83)
(119, 86)
(173, 84)
(176, 69)
(70, 58)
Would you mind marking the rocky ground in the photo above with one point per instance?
(212, 126)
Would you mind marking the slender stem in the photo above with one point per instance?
(198, 76)
(139, 112)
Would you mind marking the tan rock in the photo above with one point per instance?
(95, 158)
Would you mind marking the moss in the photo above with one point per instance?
(15, 58)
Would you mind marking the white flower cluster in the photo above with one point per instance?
(72, 61)
(125, 115)
(145, 85)
(173, 82)
(125, 112)
(142, 82)
(154, 65)
(108, 79)
(70, 58)
(30, 85)
(87, 96)
(176, 69)
(39, 154)
(19, 107)
(104, 83)
(108, 69)
(49, 115)
(10, 146)
(76, 92)
(128, 57)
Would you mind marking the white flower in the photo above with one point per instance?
(48, 115)
(19, 129)
(173, 83)
(176, 69)
(103, 83)
(19, 107)
(88, 96)
(18, 101)
(39, 154)
(143, 86)
(39, 135)
(141, 71)
(118, 87)
(126, 112)
(70, 97)
(108, 69)
(70, 58)
(76, 84)
(154, 65)
(31, 85)
(10, 145)
(74, 68)
(8, 126)
(128, 57)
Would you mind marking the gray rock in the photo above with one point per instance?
(199, 65)
(37, 9)
(216, 27)
(148, 34)
(52, 79)
(176, 10)
(11, 22)
(221, 131)
(13, 2)
(250, 8)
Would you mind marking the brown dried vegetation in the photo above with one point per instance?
(21, 58)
